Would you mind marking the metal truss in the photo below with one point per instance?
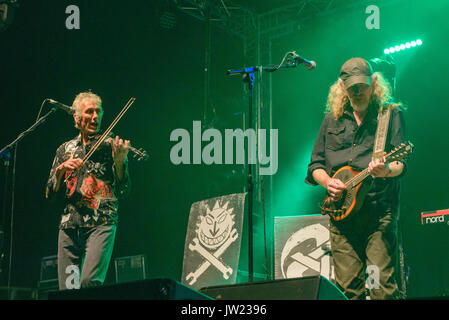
(257, 30)
(234, 19)
(272, 24)
(246, 23)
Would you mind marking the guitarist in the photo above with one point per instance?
(364, 247)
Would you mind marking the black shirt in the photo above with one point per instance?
(342, 142)
(91, 196)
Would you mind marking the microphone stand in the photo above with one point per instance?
(248, 75)
(27, 131)
(5, 155)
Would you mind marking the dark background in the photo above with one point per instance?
(121, 51)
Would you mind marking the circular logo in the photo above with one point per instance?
(303, 254)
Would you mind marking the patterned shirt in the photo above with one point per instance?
(91, 195)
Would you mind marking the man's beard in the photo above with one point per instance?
(359, 105)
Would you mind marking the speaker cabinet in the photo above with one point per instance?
(306, 288)
(132, 268)
(151, 289)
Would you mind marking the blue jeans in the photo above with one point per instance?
(84, 255)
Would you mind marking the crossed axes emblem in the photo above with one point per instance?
(211, 258)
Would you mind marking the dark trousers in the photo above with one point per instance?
(84, 255)
(364, 253)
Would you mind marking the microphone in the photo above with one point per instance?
(310, 65)
(62, 106)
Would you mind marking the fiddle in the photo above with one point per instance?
(140, 153)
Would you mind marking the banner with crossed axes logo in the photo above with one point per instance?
(213, 239)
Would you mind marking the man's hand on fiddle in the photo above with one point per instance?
(120, 150)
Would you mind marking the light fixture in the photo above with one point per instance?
(403, 46)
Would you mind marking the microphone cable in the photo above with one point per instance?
(40, 110)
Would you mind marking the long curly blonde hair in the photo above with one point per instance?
(338, 100)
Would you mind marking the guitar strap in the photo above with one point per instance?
(383, 119)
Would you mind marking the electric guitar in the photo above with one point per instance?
(352, 197)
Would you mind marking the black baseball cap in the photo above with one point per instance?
(355, 71)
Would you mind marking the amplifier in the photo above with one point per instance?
(428, 255)
(131, 268)
(48, 279)
(49, 271)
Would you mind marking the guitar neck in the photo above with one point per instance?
(357, 179)
(398, 153)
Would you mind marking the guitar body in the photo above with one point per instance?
(351, 199)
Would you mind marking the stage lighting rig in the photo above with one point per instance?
(403, 46)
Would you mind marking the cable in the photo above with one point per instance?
(40, 110)
(282, 62)
(13, 183)
(264, 230)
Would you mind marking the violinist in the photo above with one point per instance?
(90, 192)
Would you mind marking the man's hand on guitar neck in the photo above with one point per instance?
(378, 169)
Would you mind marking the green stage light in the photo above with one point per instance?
(403, 46)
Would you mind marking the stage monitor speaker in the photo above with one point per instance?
(305, 288)
(151, 289)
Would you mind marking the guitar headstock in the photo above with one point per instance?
(402, 151)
